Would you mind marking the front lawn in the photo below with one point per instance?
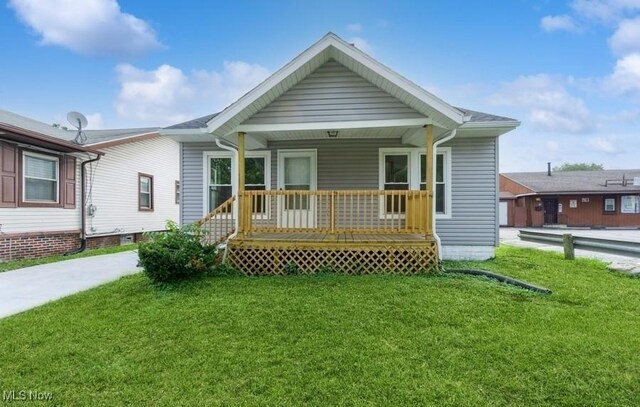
(339, 340)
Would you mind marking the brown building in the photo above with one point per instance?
(598, 199)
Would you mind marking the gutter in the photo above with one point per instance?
(433, 188)
(234, 150)
(83, 209)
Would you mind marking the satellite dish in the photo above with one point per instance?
(78, 121)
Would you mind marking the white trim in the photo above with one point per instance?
(414, 174)
(468, 252)
(342, 125)
(206, 162)
(55, 159)
(325, 44)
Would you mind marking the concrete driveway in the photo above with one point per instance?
(30, 287)
(510, 237)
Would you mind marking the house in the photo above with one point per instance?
(130, 187)
(608, 198)
(336, 160)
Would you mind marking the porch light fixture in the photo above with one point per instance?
(332, 133)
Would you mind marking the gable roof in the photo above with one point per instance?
(94, 137)
(565, 182)
(25, 130)
(333, 47)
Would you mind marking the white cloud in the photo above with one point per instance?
(361, 44)
(559, 23)
(95, 121)
(602, 145)
(355, 27)
(550, 107)
(87, 26)
(626, 38)
(552, 147)
(236, 79)
(604, 11)
(626, 75)
(167, 95)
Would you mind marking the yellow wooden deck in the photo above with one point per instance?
(338, 238)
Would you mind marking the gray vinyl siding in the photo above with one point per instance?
(353, 164)
(333, 93)
(474, 194)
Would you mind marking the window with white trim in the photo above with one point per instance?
(630, 204)
(221, 178)
(609, 204)
(219, 181)
(41, 178)
(440, 194)
(145, 192)
(396, 178)
(394, 175)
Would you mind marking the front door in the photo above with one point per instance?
(297, 172)
(550, 210)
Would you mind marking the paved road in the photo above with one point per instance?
(510, 236)
(30, 287)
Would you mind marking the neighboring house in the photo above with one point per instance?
(608, 198)
(332, 161)
(131, 186)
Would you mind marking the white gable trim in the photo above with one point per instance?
(316, 51)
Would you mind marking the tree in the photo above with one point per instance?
(579, 167)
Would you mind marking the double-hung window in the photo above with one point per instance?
(396, 178)
(145, 192)
(405, 169)
(440, 193)
(41, 178)
(221, 178)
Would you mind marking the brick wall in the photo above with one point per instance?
(34, 245)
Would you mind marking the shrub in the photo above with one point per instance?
(175, 254)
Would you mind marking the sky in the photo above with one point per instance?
(568, 70)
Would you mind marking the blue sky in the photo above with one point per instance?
(569, 70)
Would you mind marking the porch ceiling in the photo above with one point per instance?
(413, 135)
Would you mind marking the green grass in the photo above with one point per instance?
(18, 264)
(339, 340)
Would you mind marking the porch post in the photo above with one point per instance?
(241, 208)
(429, 178)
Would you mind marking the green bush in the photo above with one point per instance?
(176, 254)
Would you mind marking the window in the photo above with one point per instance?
(221, 178)
(405, 168)
(441, 183)
(396, 178)
(177, 192)
(41, 173)
(145, 192)
(630, 204)
(255, 180)
(219, 181)
(609, 204)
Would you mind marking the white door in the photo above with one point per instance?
(504, 213)
(297, 172)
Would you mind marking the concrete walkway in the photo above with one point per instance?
(510, 237)
(30, 287)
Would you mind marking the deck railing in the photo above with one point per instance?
(333, 212)
(219, 223)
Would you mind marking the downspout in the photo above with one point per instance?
(433, 188)
(83, 209)
(235, 220)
